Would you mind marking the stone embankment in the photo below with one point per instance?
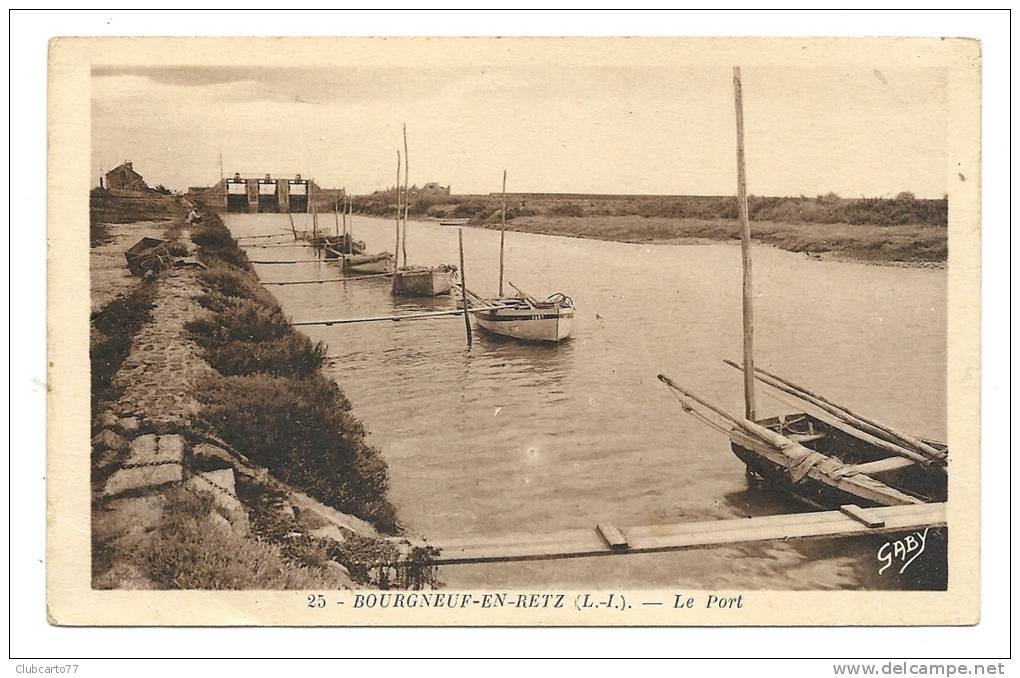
(162, 483)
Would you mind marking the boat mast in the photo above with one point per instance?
(336, 211)
(745, 250)
(406, 198)
(396, 245)
(502, 236)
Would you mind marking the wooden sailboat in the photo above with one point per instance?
(829, 456)
(523, 316)
(417, 281)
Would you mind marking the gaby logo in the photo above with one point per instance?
(905, 550)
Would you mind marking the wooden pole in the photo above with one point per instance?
(502, 236)
(406, 198)
(396, 245)
(292, 229)
(881, 431)
(745, 250)
(336, 212)
(350, 224)
(463, 286)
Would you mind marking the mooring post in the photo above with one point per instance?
(406, 196)
(396, 245)
(502, 236)
(463, 286)
(745, 250)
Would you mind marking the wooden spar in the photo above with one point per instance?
(336, 213)
(406, 199)
(502, 236)
(268, 235)
(325, 280)
(397, 318)
(850, 428)
(315, 213)
(530, 299)
(396, 245)
(581, 543)
(292, 229)
(350, 224)
(749, 427)
(463, 286)
(289, 261)
(745, 250)
(783, 450)
(849, 416)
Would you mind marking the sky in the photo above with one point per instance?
(554, 125)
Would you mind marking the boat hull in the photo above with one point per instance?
(423, 282)
(822, 491)
(375, 263)
(540, 325)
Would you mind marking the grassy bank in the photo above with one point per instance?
(901, 229)
(910, 243)
(270, 402)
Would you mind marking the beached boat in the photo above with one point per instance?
(453, 222)
(369, 263)
(825, 454)
(423, 281)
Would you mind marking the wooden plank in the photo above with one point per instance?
(858, 514)
(326, 280)
(664, 538)
(394, 318)
(612, 536)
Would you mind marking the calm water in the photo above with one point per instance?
(507, 437)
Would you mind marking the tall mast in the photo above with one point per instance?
(745, 250)
(502, 236)
(406, 199)
(396, 245)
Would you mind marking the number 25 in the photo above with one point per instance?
(316, 600)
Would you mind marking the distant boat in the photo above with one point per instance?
(423, 281)
(369, 263)
(338, 246)
(453, 222)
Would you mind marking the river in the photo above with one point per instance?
(508, 437)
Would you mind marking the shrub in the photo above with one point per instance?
(566, 209)
(230, 281)
(187, 552)
(291, 355)
(115, 327)
(303, 431)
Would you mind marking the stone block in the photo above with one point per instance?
(106, 419)
(171, 447)
(219, 484)
(137, 478)
(129, 425)
(108, 440)
(210, 451)
(328, 531)
(144, 450)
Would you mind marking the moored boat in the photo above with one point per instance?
(550, 320)
(369, 263)
(826, 455)
(423, 281)
(453, 222)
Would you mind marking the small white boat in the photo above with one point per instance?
(423, 281)
(453, 222)
(382, 262)
(526, 318)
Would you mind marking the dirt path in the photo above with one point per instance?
(109, 276)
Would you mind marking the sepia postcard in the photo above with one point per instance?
(514, 331)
